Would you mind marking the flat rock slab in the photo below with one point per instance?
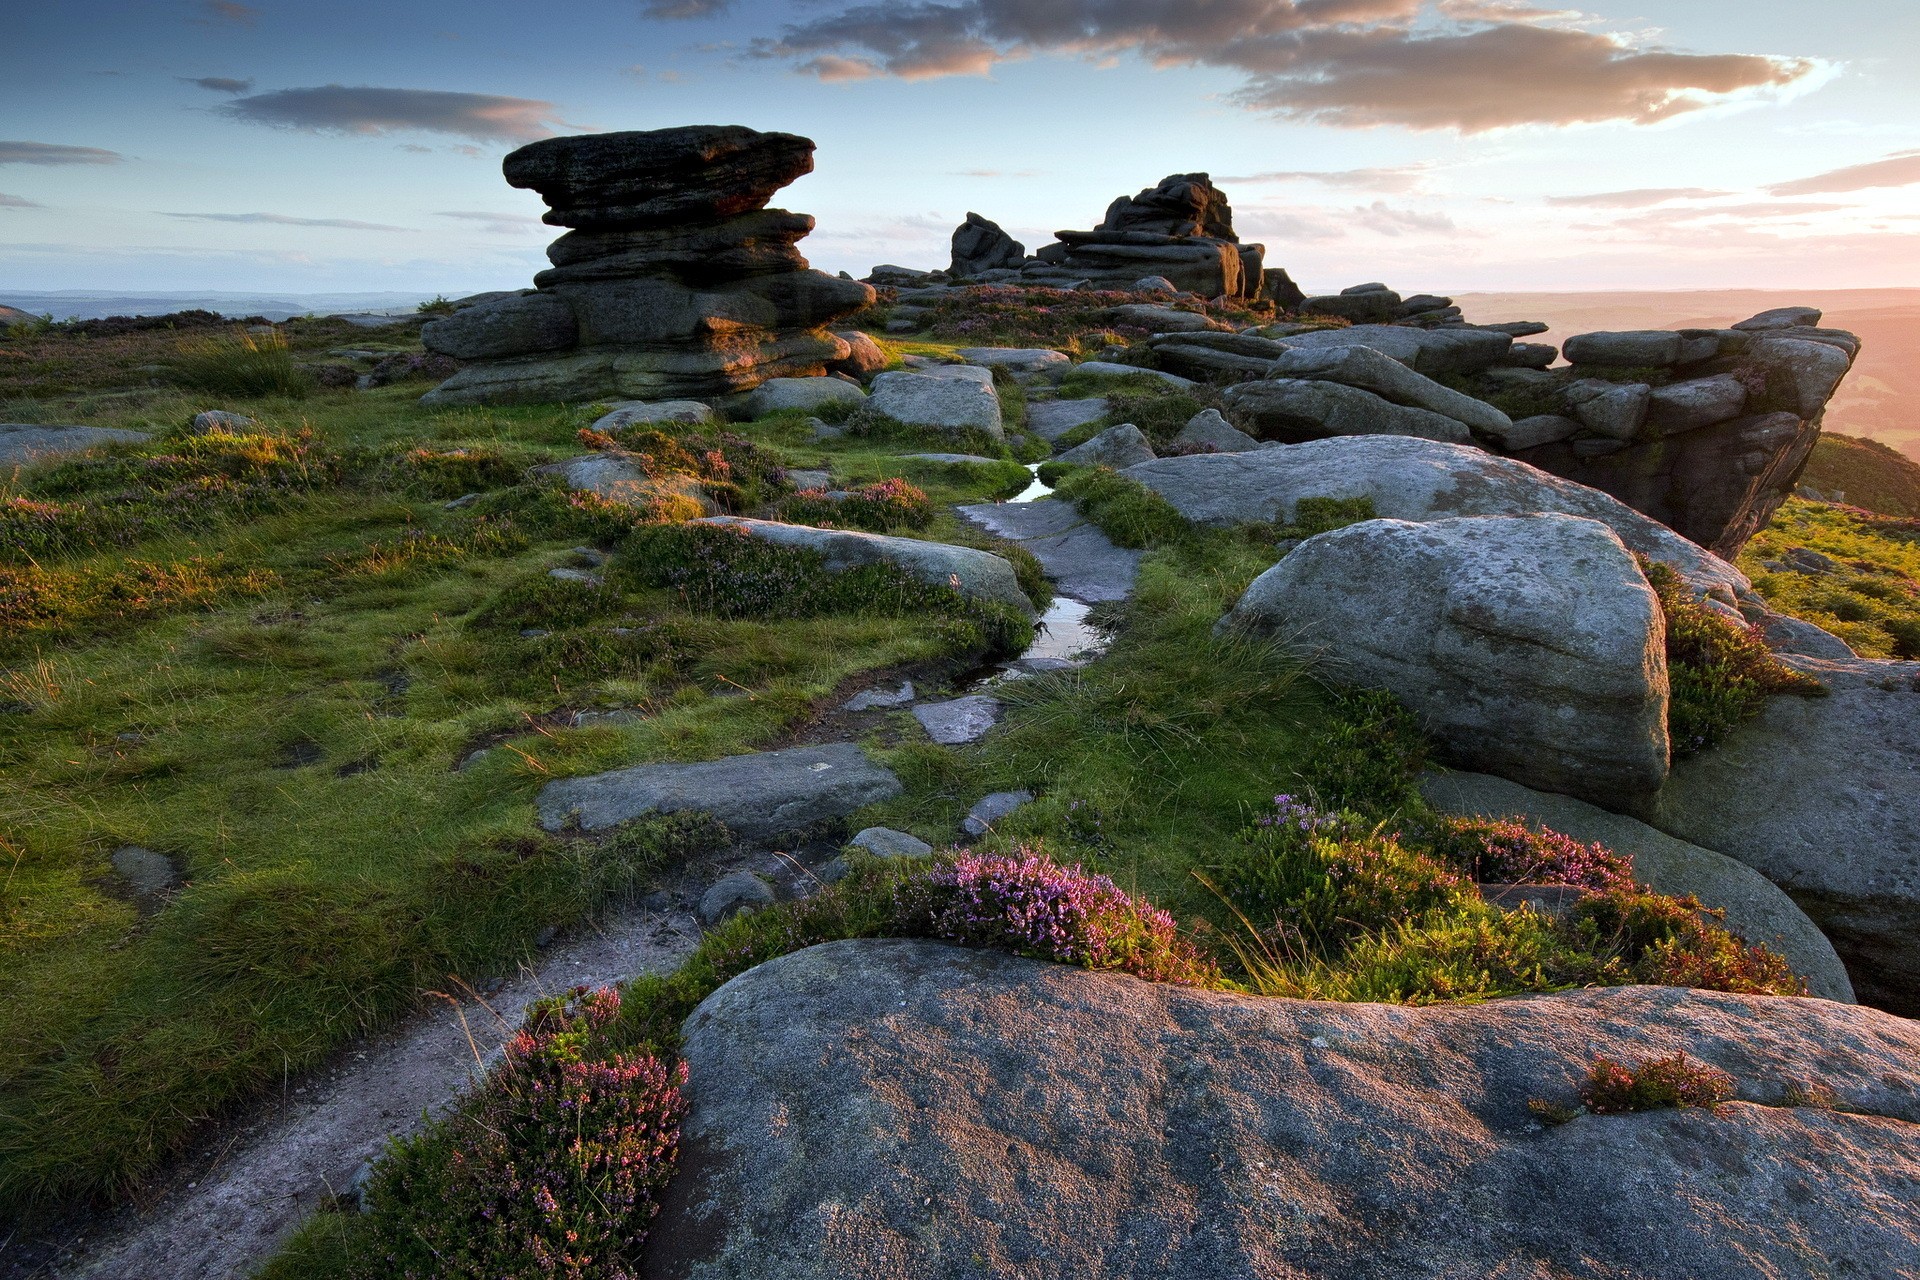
(990, 809)
(1082, 561)
(1051, 419)
(959, 721)
(23, 445)
(1024, 359)
(965, 459)
(903, 1109)
(1111, 369)
(758, 796)
(878, 699)
(973, 572)
(1755, 908)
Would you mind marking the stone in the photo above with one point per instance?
(1429, 351)
(1180, 230)
(864, 356)
(1017, 359)
(26, 445)
(974, 373)
(1755, 908)
(641, 413)
(1696, 403)
(148, 874)
(879, 699)
(1374, 371)
(943, 403)
(1155, 319)
(1365, 306)
(1293, 409)
(1633, 349)
(805, 394)
(585, 577)
(733, 894)
(1612, 409)
(1544, 428)
(1818, 795)
(225, 420)
(981, 245)
(1412, 479)
(1529, 646)
(1237, 356)
(960, 720)
(1208, 432)
(991, 809)
(885, 842)
(1106, 368)
(1051, 419)
(1154, 284)
(961, 459)
(1116, 447)
(1082, 561)
(805, 479)
(852, 1107)
(1277, 287)
(1815, 368)
(972, 572)
(758, 796)
(660, 177)
(1781, 318)
(516, 325)
(1530, 355)
(1793, 635)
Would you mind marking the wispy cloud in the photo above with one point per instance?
(1481, 65)
(1379, 218)
(498, 223)
(1899, 170)
(1639, 198)
(679, 9)
(54, 153)
(1394, 181)
(284, 220)
(219, 84)
(229, 11)
(16, 202)
(996, 173)
(366, 110)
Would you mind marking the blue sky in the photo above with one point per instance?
(1442, 145)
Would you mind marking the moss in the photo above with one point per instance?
(1127, 511)
(1313, 516)
(1367, 755)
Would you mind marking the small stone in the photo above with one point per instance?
(959, 721)
(585, 577)
(885, 842)
(222, 420)
(732, 894)
(545, 937)
(876, 699)
(1117, 447)
(803, 479)
(147, 873)
(1154, 284)
(991, 809)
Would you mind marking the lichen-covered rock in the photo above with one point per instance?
(929, 399)
(1529, 646)
(1429, 351)
(1375, 371)
(644, 413)
(807, 394)
(1207, 431)
(1293, 410)
(1117, 447)
(987, 1115)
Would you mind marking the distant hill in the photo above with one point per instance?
(14, 315)
(1880, 399)
(74, 304)
(1865, 473)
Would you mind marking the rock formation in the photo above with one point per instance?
(980, 245)
(675, 281)
(1181, 229)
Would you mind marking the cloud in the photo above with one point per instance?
(1350, 63)
(1379, 218)
(334, 108)
(1396, 181)
(54, 153)
(219, 84)
(670, 10)
(229, 11)
(283, 220)
(1755, 216)
(498, 223)
(1899, 170)
(16, 202)
(1639, 198)
(996, 173)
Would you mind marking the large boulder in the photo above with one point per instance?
(518, 324)
(1428, 351)
(1117, 447)
(25, 445)
(972, 572)
(905, 1109)
(1295, 409)
(1529, 646)
(758, 796)
(1820, 795)
(809, 395)
(936, 400)
(1375, 371)
(1208, 432)
(660, 177)
(1411, 479)
(1753, 906)
(1051, 419)
(979, 244)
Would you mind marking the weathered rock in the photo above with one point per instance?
(973, 373)
(1051, 419)
(643, 413)
(1699, 402)
(988, 1115)
(991, 809)
(1181, 231)
(1017, 359)
(222, 420)
(148, 874)
(1530, 646)
(972, 572)
(758, 796)
(864, 357)
(24, 445)
(1814, 368)
(805, 394)
(1209, 355)
(1117, 447)
(981, 245)
(1108, 368)
(1781, 318)
(1208, 431)
(1363, 306)
(1615, 410)
(1154, 284)
(1145, 315)
(1293, 409)
(1530, 355)
(1428, 351)
(732, 894)
(945, 403)
(1545, 428)
(1819, 796)
(1793, 635)
(1277, 287)
(964, 459)
(885, 842)
(1638, 348)
(1375, 371)
(659, 177)
(1411, 479)
(516, 325)
(960, 720)
(880, 699)
(1755, 908)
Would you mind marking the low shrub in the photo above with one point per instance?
(881, 507)
(553, 1168)
(734, 471)
(1494, 851)
(546, 602)
(1614, 1088)
(1674, 942)
(453, 473)
(1366, 754)
(241, 364)
(1126, 510)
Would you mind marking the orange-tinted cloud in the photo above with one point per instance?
(1393, 181)
(1899, 170)
(1639, 198)
(335, 108)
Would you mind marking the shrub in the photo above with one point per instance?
(881, 507)
(1365, 755)
(552, 1168)
(1613, 1088)
(734, 471)
(1026, 903)
(1506, 852)
(1669, 941)
(241, 364)
(452, 473)
(1127, 511)
(545, 602)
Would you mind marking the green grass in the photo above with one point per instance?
(1126, 510)
(1867, 473)
(1872, 600)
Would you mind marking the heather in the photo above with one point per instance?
(1616, 1088)
(1074, 320)
(886, 506)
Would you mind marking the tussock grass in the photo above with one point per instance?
(241, 364)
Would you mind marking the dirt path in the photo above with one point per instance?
(243, 1201)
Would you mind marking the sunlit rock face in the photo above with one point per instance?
(1180, 230)
(674, 282)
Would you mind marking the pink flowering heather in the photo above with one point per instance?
(1506, 852)
(551, 1169)
(1026, 903)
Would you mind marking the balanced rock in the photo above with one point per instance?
(908, 1109)
(981, 245)
(1530, 646)
(675, 282)
(1180, 230)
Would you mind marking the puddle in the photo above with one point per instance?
(1062, 636)
(1035, 490)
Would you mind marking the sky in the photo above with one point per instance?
(1438, 145)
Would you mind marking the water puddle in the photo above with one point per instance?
(1037, 489)
(1063, 638)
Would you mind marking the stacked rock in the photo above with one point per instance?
(1181, 229)
(980, 245)
(674, 282)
